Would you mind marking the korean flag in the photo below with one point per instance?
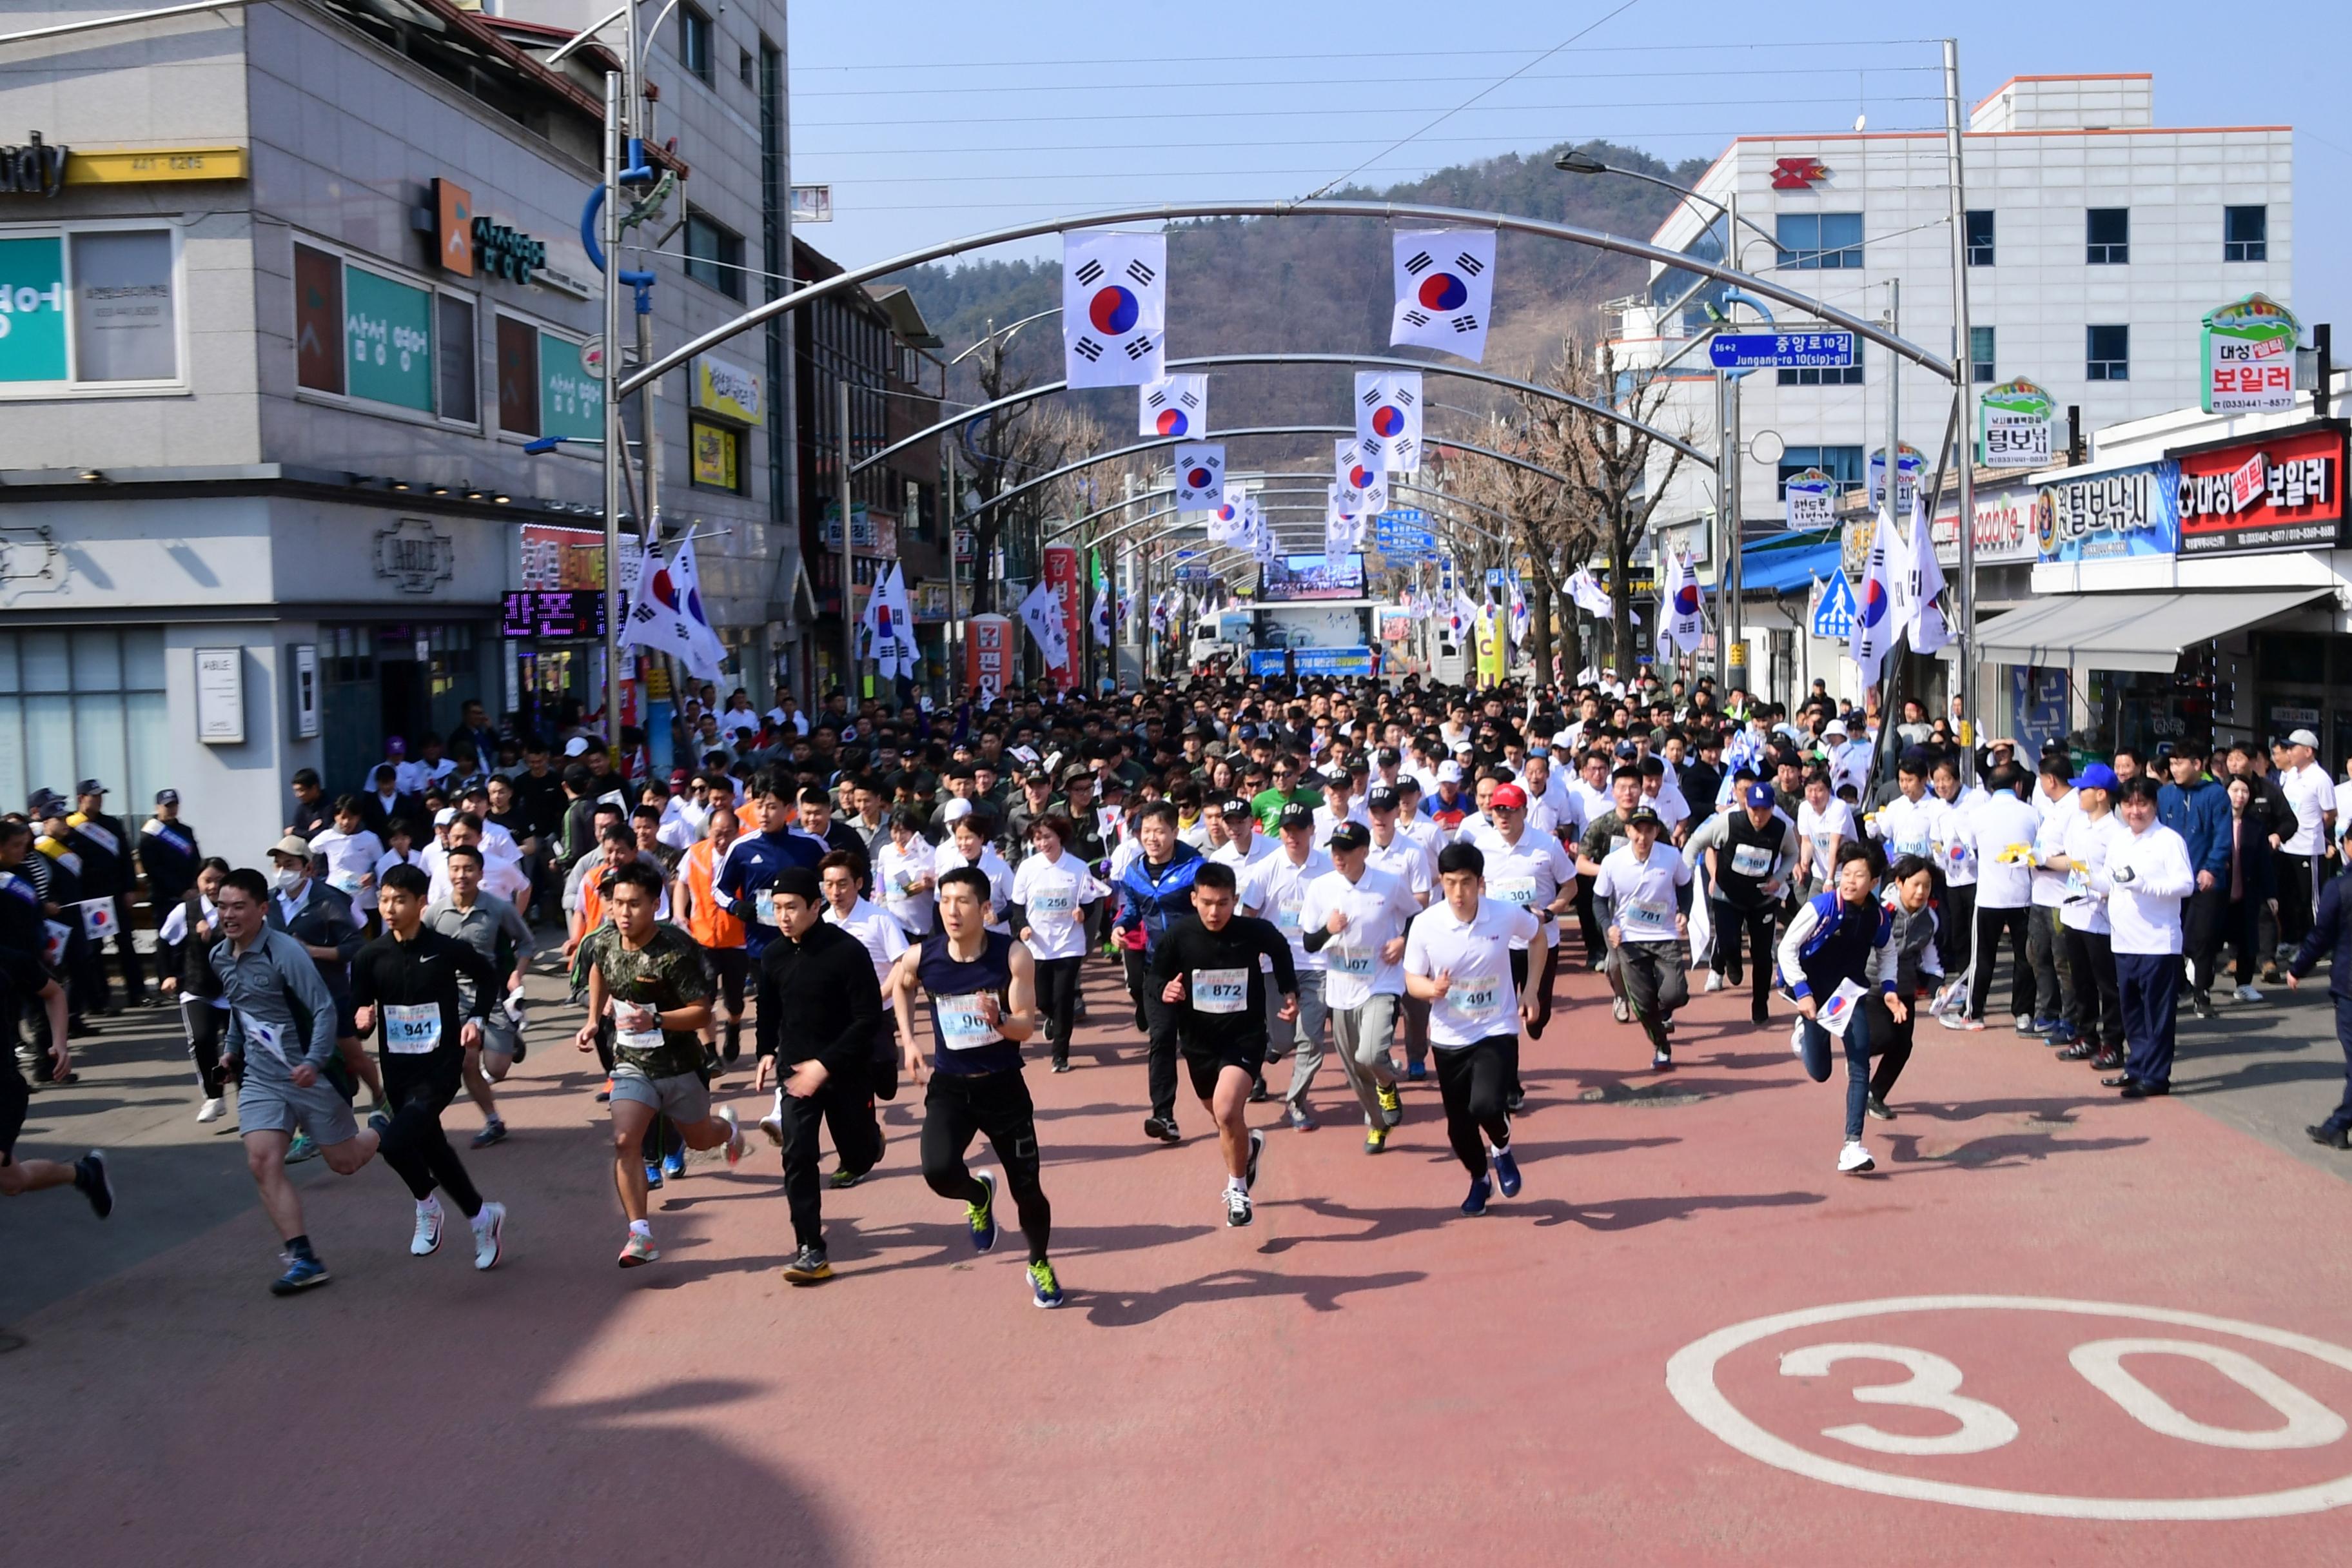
(1175, 405)
(1363, 488)
(1114, 308)
(1388, 418)
(1200, 476)
(1445, 290)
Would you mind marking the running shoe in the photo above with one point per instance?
(426, 1241)
(1620, 1011)
(1515, 1100)
(1661, 1059)
(1714, 984)
(1160, 1126)
(2025, 1024)
(1257, 1095)
(808, 1267)
(771, 1128)
(653, 1175)
(378, 1123)
(489, 1235)
(1853, 1160)
(1061, 1063)
(980, 1218)
(90, 1180)
(302, 1274)
(1375, 1139)
(674, 1162)
(735, 1145)
(1044, 1288)
(844, 1178)
(1877, 1108)
(2048, 1025)
(304, 1147)
(1238, 1207)
(1391, 1103)
(212, 1109)
(1476, 1203)
(494, 1130)
(2247, 993)
(1417, 1071)
(639, 1250)
(1796, 1037)
(1958, 1021)
(1256, 1148)
(2330, 1136)
(1507, 1173)
(1301, 1118)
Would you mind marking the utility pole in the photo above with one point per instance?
(616, 450)
(951, 641)
(848, 621)
(1964, 370)
(1731, 625)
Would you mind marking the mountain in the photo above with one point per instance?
(1310, 284)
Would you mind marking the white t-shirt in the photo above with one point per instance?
(500, 879)
(1642, 905)
(1409, 860)
(1325, 819)
(2050, 838)
(2309, 791)
(2088, 843)
(1955, 841)
(1529, 874)
(893, 869)
(1909, 826)
(1055, 894)
(1480, 1003)
(1378, 906)
(350, 856)
(1822, 829)
(1000, 876)
(1999, 828)
(1275, 890)
(884, 938)
(1229, 853)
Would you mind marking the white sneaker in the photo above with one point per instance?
(1237, 1207)
(1796, 1037)
(1714, 982)
(2189, 972)
(212, 1109)
(427, 1239)
(490, 1231)
(1853, 1160)
(2247, 993)
(734, 1136)
(1620, 1012)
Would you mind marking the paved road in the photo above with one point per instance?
(1363, 1374)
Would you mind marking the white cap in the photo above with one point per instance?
(2303, 738)
(956, 810)
(444, 816)
(1449, 773)
(1835, 726)
(576, 747)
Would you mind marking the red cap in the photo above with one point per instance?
(1510, 795)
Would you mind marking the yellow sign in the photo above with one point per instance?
(726, 389)
(1489, 637)
(148, 166)
(715, 462)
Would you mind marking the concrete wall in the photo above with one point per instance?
(235, 796)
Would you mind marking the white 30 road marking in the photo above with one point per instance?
(1934, 1385)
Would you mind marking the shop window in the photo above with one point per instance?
(1819, 241)
(544, 390)
(2107, 353)
(88, 307)
(518, 377)
(694, 41)
(1826, 375)
(363, 334)
(2245, 234)
(460, 389)
(1980, 236)
(714, 256)
(81, 704)
(1842, 464)
(1980, 355)
(718, 455)
(2107, 236)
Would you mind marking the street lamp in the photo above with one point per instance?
(1576, 163)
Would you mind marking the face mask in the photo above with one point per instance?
(286, 878)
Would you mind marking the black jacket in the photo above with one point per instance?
(409, 808)
(2331, 934)
(105, 848)
(168, 854)
(325, 921)
(819, 1000)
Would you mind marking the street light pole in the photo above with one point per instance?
(848, 622)
(617, 450)
(1964, 370)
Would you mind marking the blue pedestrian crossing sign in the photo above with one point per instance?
(1834, 609)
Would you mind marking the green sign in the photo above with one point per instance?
(2013, 426)
(388, 335)
(571, 401)
(2248, 357)
(32, 309)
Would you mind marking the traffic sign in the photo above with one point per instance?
(1834, 609)
(1785, 350)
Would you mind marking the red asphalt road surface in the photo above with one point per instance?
(1364, 1375)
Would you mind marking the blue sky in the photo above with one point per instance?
(932, 119)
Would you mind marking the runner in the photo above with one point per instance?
(982, 987)
(1457, 958)
(320, 918)
(1052, 896)
(1275, 890)
(1155, 892)
(903, 873)
(1833, 942)
(1604, 835)
(1404, 855)
(2147, 875)
(709, 921)
(820, 1020)
(1643, 884)
(187, 935)
(24, 979)
(496, 929)
(1354, 919)
(1205, 973)
(646, 982)
(1749, 854)
(1529, 869)
(407, 980)
(1917, 956)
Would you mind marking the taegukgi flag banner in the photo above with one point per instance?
(1201, 476)
(1114, 308)
(1445, 289)
(1388, 418)
(1174, 405)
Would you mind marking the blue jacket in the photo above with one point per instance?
(752, 866)
(1824, 945)
(2331, 933)
(2201, 815)
(1156, 901)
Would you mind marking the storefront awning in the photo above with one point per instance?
(1784, 566)
(2126, 631)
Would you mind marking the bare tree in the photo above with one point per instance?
(1608, 464)
(1013, 446)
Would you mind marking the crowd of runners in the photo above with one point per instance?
(905, 901)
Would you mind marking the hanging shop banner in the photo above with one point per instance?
(1355, 661)
(1912, 464)
(2106, 516)
(2004, 528)
(2013, 422)
(988, 655)
(2248, 363)
(2284, 492)
(1061, 562)
(1813, 499)
(388, 334)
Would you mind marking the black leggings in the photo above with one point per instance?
(419, 1089)
(1732, 922)
(844, 1106)
(2098, 1004)
(1471, 1081)
(1057, 998)
(1896, 1054)
(956, 1108)
(205, 1026)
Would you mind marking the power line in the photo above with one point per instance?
(1260, 141)
(1327, 113)
(1418, 53)
(1193, 88)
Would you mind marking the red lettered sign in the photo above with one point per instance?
(2284, 492)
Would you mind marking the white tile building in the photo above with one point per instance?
(2098, 239)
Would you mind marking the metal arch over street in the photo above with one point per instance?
(1408, 211)
(1382, 361)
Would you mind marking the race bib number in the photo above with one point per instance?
(1519, 891)
(412, 1029)
(1354, 961)
(1646, 919)
(270, 1038)
(1751, 859)
(1286, 914)
(1484, 998)
(2077, 885)
(1060, 901)
(1220, 990)
(963, 1025)
(763, 905)
(638, 1040)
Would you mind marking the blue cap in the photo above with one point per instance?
(1760, 795)
(2097, 776)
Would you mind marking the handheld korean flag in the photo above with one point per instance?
(1445, 290)
(1388, 418)
(1175, 405)
(1363, 486)
(1041, 612)
(1873, 618)
(1114, 308)
(1520, 621)
(98, 920)
(1201, 476)
(1683, 623)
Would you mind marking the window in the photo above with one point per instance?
(518, 377)
(1981, 355)
(2107, 236)
(2107, 353)
(694, 41)
(1980, 229)
(1842, 464)
(88, 307)
(714, 256)
(454, 351)
(743, 72)
(318, 319)
(366, 335)
(1823, 241)
(1833, 376)
(85, 703)
(718, 453)
(2245, 234)
(542, 390)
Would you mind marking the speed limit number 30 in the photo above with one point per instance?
(1949, 1398)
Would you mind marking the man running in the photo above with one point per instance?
(407, 981)
(646, 983)
(496, 929)
(1355, 919)
(1206, 972)
(24, 979)
(983, 990)
(1275, 890)
(709, 921)
(1646, 925)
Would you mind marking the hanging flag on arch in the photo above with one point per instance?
(1175, 405)
(1229, 524)
(1363, 486)
(1201, 476)
(1388, 418)
(1114, 308)
(1445, 289)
